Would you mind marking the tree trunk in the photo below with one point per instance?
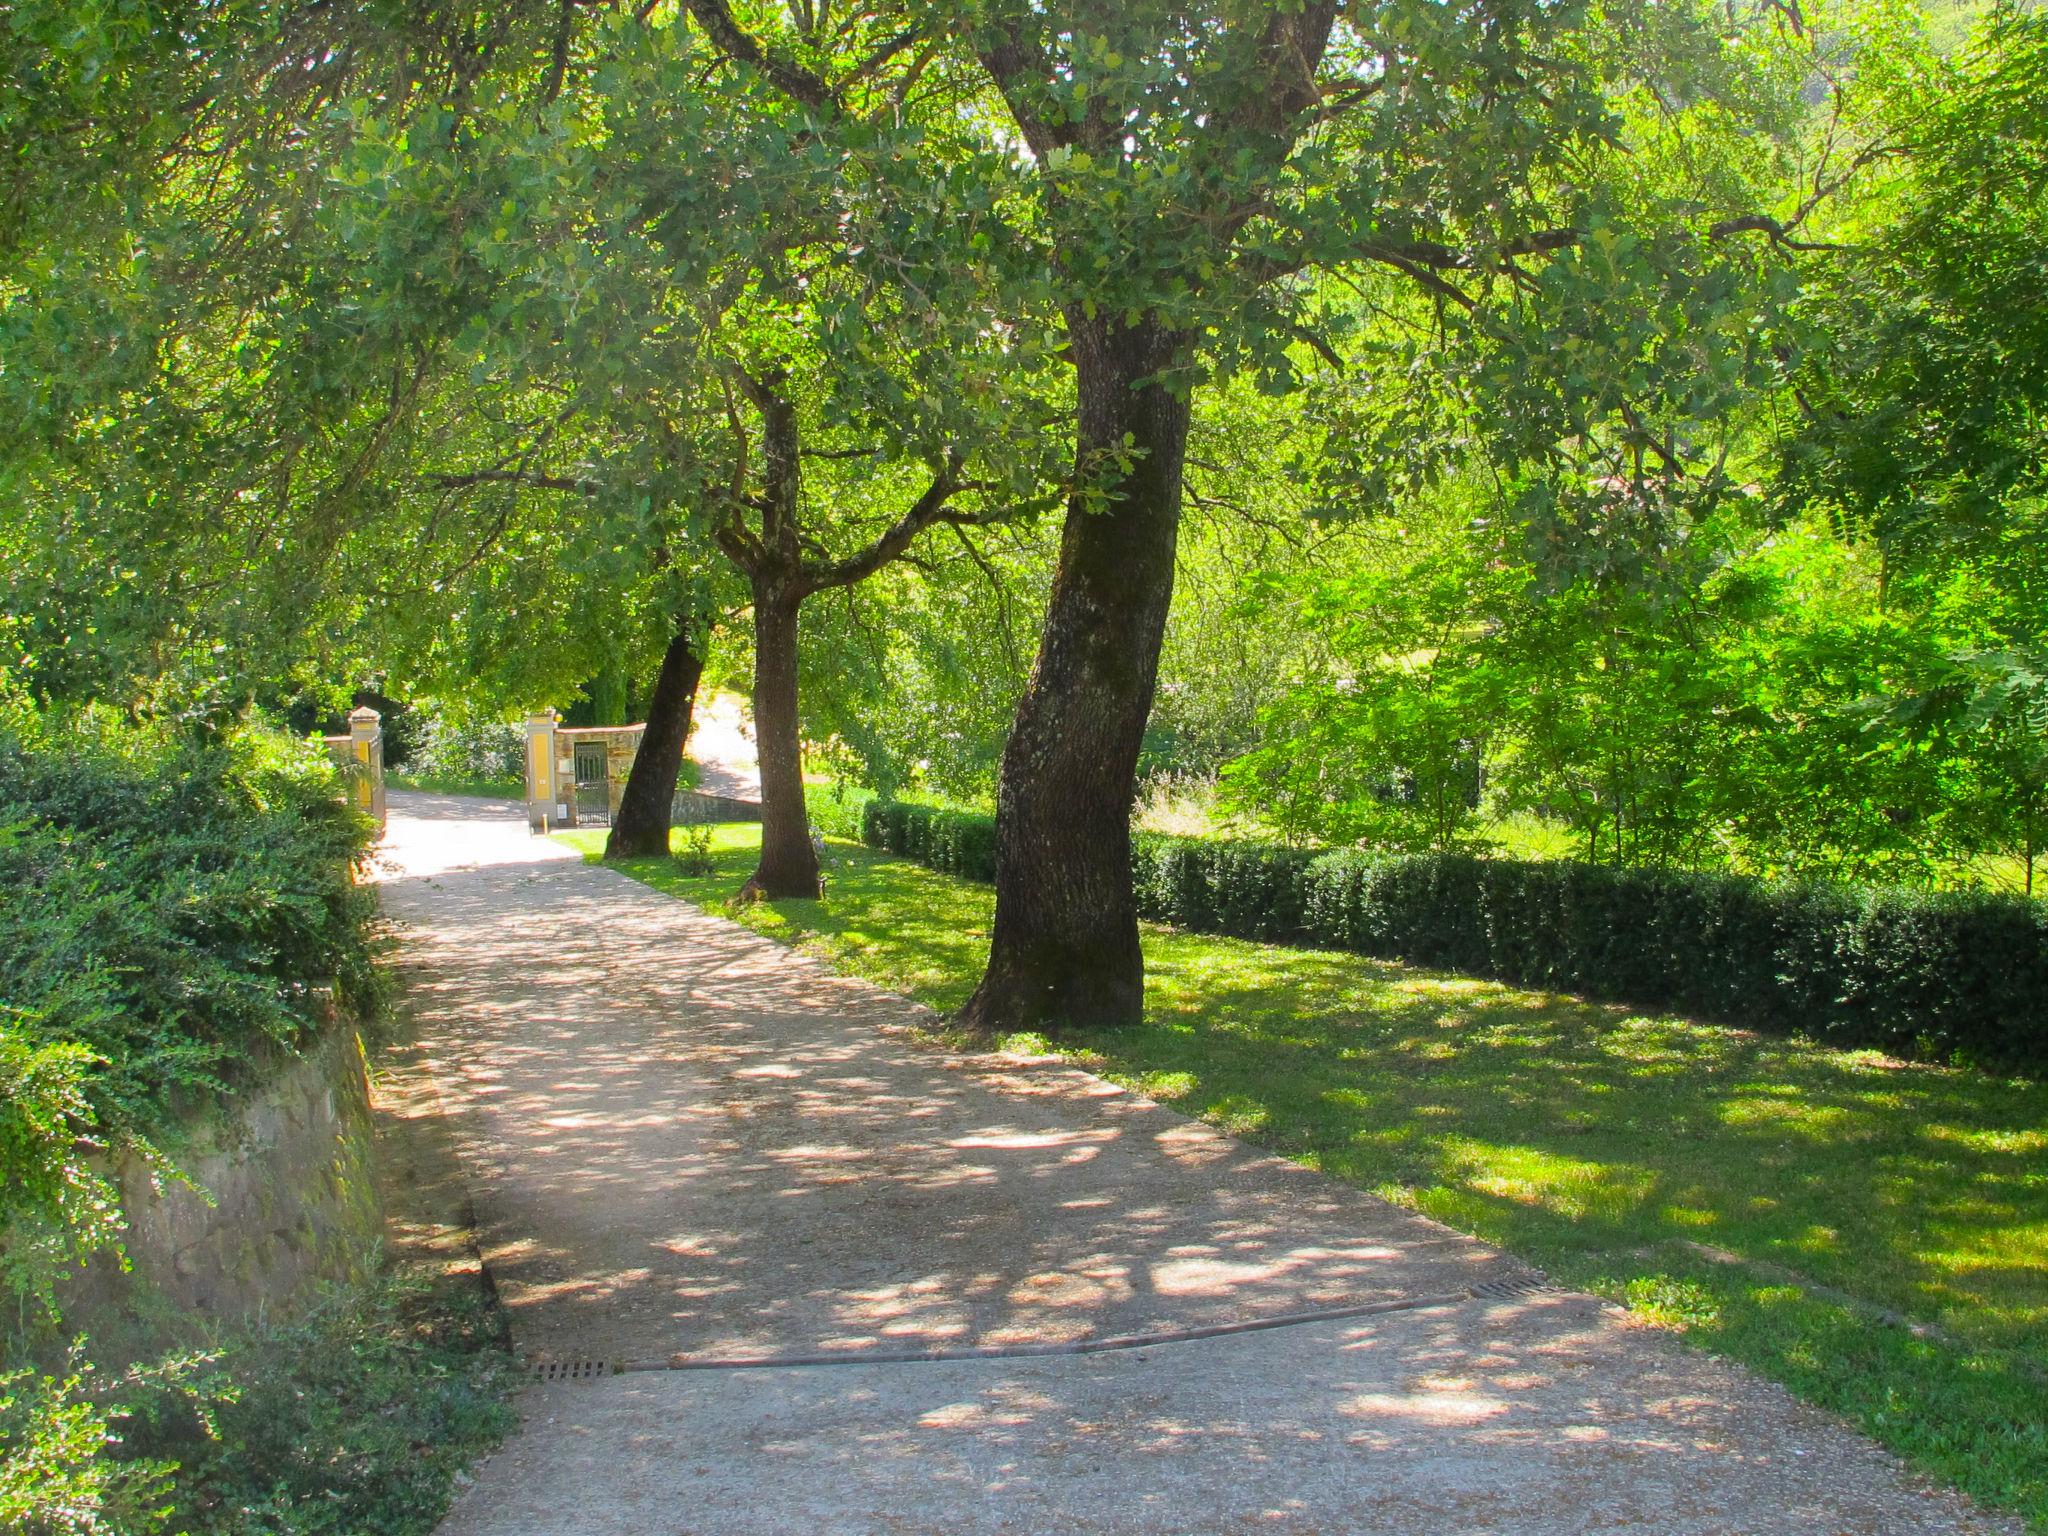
(789, 864)
(1065, 944)
(642, 826)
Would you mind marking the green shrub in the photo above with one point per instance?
(1210, 886)
(176, 910)
(466, 751)
(1947, 976)
(350, 1421)
(56, 1208)
(61, 1468)
(170, 914)
(959, 843)
(1943, 975)
(837, 809)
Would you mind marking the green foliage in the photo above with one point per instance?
(172, 912)
(959, 843)
(1993, 707)
(1943, 976)
(1926, 348)
(469, 749)
(351, 1421)
(1386, 744)
(55, 1207)
(690, 844)
(838, 809)
(1246, 890)
(438, 784)
(64, 1469)
(175, 909)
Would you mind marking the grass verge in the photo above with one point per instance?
(448, 784)
(1768, 1199)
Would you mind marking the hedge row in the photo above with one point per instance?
(959, 843)
(1942, 975)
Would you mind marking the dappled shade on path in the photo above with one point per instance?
(686, 1139)
(682, 1139)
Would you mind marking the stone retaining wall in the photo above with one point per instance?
(290, 1205)
(694, 807)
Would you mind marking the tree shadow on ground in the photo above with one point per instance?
(1634, 1154)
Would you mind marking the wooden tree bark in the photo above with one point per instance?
(789, 864)
(1065, 943)
(782, 576)
(641, 828)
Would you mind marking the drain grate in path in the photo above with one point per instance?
(1533, 1283)
(573, 1370)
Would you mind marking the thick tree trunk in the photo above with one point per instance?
(1065, 946)
(789, 864)
(642, 826)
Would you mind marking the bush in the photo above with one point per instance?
(350, 1421)
(61, 1473)
(170, 914)
(1246, 890)
(837, 809)
(1950, 976)
(56, 1207)
(959, 843)
(176, 910)
(1947, 976)
(469, 751)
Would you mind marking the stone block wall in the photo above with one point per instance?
(290, 1204)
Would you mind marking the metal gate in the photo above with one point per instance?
(593, 784)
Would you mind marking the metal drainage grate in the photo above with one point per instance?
(1518, 1285)
(572, 1370)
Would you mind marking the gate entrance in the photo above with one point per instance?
(575, 777)
(593, 784)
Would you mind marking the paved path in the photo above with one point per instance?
(688, 1146)
(722, 747)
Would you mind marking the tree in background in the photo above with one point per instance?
(1383, 740)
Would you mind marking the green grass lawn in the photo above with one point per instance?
(1761, 1196)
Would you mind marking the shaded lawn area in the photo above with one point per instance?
(1715, 1182)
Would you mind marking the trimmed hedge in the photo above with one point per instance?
(1942, 975)
(1244, 890)
(959, 843)
(1938, 975)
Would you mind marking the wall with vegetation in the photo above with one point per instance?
(274, 1199)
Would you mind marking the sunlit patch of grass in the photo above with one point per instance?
(1679, 1304)
(1593, 1140)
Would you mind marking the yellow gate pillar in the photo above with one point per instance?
(366, 746)
(544, 792)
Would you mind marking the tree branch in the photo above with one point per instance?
(474, 477)
(1018, 65)
(800, 85)
(892, 541)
